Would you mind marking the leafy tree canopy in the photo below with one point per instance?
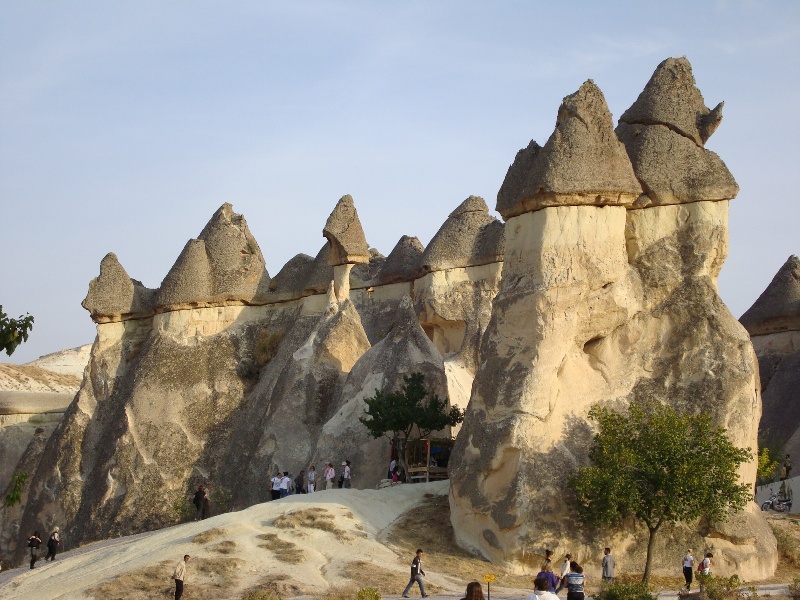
(408, 411)
(13, 331)
(660, 466)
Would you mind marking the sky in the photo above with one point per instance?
(125, 125)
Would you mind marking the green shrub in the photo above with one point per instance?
(266, 346)
(183, 510)
(624, 591)
(368, 593)
(262, 595)
(726, 588)
(18, 481)
(794, 587)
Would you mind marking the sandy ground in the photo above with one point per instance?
(361, 517)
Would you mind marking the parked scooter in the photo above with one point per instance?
(777, 504)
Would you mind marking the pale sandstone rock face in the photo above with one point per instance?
(600, 304)
(583, 162)
(345, 234)
(404, 350)
(113, 294)
(774, 326)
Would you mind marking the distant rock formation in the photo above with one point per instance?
(774, 326)
(600, 302)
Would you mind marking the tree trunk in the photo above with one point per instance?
(650, 545)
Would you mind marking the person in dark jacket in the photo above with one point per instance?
(416, 575)
(547, 573)
(300, 483)
(53, 543)
(198, 500)
(34, 542)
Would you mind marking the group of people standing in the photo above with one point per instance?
(703, 566)
(283, 484)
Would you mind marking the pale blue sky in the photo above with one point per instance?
(125, 125)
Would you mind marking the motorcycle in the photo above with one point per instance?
(777, 504)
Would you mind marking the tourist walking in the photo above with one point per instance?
(474, 591)
(688, 567)
(541, 589)
(346, 474)
(34, 542)
(704, 568)
(53, 542)
(179, 575)
(286, 482)
(608, 566)
(547, 573)
(575, 581)
(564, 571)
(416, 575)
(300, 483)
(198, 500)
(276, 485)
(330, 475)
(312, 479)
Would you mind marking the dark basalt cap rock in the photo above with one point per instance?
(664, 132)
(343, 231)
(237, 265)
(778, 307)
(291, 280)
(671, 98)
(673, 169)
(189, 281)
(469, 237)
(583, 162)
(113, 295)
(403, 262)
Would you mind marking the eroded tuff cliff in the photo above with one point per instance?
(222, 375)
(613, 245)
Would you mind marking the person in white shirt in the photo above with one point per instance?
(564, 571)
(179, 575)
(346, 474)
(541, 590)
(311, 478)
(688, 568)
(329, 475)
(392, 465)
(276, 485)
(284, 486)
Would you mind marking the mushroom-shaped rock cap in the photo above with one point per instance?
(671, 98)
(461, 240)
(583, 162)
(189, 281)
(343, 231)
(778, 307)
(403, 262)
(113, 295)
(237, 265)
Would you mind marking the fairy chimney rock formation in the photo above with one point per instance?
(583, 162)
(599, 303)
(670, 119)
(113, 295)
(403, 262)
(343, 231)
(778, 307)
(470, 236)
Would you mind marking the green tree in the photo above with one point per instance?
(408, 414)
(13, 331)
(660, 466)
(766, 464)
